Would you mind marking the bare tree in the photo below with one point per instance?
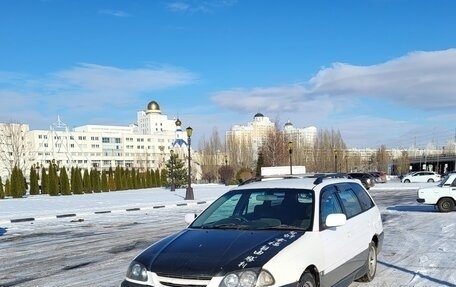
(240, 153)
(402, 164)
(274, 149)
(381, 159)
(211, 156)
(13, 145)
(329, 148)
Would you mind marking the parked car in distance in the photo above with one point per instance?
(366, 178)
(421, 176)
(294, 231)
(442, 195)
(379, 176)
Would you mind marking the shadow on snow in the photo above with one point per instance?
(419, 274)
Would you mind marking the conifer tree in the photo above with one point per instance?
(7, 187)
(44, 181)
(72, 173)
(131, 180)
(111, 180)
(2, 192)
(104, 182)
(153, 182)
(157, 178)
(164, 177)
(124, 176)
(17, 183)
(53, 179)
(64, 182)
(34, 187)
(77, 184)
(86, 183)
(134, 179)
(118, 178)
(22, 182)
(95, 180)
(175, 172)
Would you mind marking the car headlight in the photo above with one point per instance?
(247, 278)
(137, 271)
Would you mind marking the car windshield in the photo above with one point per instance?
(259, 209)
(444, 180)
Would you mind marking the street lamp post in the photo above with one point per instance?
(225, 171)
(173, 187)
(189, 191)
(290, 151)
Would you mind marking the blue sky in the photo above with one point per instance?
(378, 71)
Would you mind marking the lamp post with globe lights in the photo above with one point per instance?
(290, 151)
(189, 191)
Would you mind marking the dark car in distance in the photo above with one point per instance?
(366, 179)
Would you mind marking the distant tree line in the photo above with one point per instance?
(237, 161)
(55, 180)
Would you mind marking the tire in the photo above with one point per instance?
(307, 280)
(445, 204)
(407, 181)
(371, 264)
(430, 180)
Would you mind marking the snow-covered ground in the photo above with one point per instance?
(89, 240)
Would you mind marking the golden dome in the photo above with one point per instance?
(153, 106)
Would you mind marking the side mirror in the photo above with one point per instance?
(336, 219)
(190, 217)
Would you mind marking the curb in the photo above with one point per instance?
(27, 219)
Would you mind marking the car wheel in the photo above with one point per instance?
(407, 180)
(430, 180)
(371, 264)
(307, 280)
(445, 204)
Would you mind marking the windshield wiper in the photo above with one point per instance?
(225, 226)
(284, 226)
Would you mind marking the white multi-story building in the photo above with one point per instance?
(254, 133)
(257, 132)
(145, 144)
(301, 137)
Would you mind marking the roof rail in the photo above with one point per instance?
(250, 180)
(320, 177)
(266, 177)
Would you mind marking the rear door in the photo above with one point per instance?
(357, 206)
(334, 240)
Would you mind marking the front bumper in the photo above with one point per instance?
(420, 200)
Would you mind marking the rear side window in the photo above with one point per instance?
(350, 202)
(346, 192)
(364, 199)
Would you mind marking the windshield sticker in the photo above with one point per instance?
(276, 242)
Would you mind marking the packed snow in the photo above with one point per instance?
(89, 240)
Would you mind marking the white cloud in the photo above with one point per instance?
(98, 78)
(423, 80)
(85, 91)
(419, 79)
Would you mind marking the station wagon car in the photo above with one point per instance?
(307, 231)
(442, 195)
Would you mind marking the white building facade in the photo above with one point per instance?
(257, 132)
(143, 145)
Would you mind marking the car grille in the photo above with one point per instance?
(173, 280)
